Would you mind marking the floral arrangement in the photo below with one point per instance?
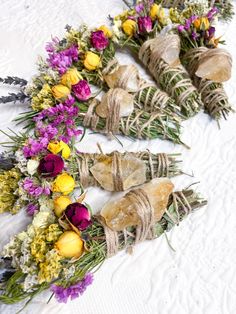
(82, 85)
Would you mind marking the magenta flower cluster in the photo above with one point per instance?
(63, 59)
(82, 90)
(34, 147)
(63, 294)
(98, 40)
(144, 24)
(33, 189)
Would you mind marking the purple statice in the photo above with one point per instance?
(34, 189)
(63, 294)
(213, 11)
(63, 59)
(189, 21)
(194, 35)
(58, 122)
(139, 7)
(32, 209)
(34, 146)
(180, 28)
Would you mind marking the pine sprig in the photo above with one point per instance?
(13, 80)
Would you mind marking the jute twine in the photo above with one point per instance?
(213, 94)
(146, 229)
(157, 165)
(160, 69)
(120, 125)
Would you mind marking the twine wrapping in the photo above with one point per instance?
(146, 229)
(213, 95)
(157, 165)
(174, 80)
(148, 97)
(139, 124)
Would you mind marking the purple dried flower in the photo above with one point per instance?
(31, 209)
(195, 35)
(211, 32)
(180, 28)
(98, 40)
(144, 24)
(212, 13)
(61, 60)
(139, 7)
(34, 147)
(63, 294)
(33, 189)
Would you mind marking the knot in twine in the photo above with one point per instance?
(144, 231)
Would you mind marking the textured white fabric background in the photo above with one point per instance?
(201, 276)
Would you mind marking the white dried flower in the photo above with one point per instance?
(32, 166)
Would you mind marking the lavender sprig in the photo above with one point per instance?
(13, 80)
(12, 97)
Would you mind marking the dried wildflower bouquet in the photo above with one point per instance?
(61, 255)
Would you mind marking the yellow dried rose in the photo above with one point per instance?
(60, 91)
(129, 27)
(204, 23)
(57, 147)
(60, 204)
(91, 61)
(64, 183)
(70, 245)
(71, 77)
(107, 32)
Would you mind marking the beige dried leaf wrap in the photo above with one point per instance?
(117, 173)
(165, 47)
(125, 212)
(215, 65)
(115, 97)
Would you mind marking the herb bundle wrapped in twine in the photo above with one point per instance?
(214, 97)
(135, 124)
(104, 241)
(119, 171)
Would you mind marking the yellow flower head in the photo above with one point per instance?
(60, 91)
(129, 27)
(107, 32)
(60, 204)
(57, 147)
(64, 183)
(197, 23)
(91, 61)
(157, 12)
(204, 23)
(71, 77)
(69, 245)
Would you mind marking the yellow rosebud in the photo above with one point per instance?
(57, 147)
(197, 23)
(60, 91)
(91, 61)
(129, 27)
(107, 32)
(154, 11)
(204, 23)
(64, 183)
(70, 245)
(71, 77)
(60, 204)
